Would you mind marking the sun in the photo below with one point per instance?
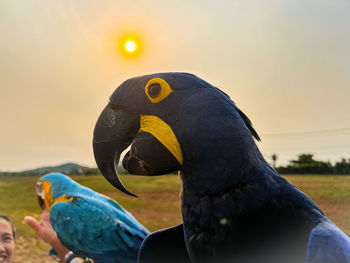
(130, 46)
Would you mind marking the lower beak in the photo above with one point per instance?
(41, 203)
(148, 156)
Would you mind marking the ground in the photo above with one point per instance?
(157, 207)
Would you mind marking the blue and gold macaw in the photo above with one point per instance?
(88, 223)
(235, 206)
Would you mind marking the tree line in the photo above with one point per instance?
(306, 164)
(303, 164)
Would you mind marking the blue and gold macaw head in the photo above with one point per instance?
(53, 188)
(170, 120)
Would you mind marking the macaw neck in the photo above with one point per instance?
(222, 171)
(219, 153)
(214, 174)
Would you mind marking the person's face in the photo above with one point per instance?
(7, 244)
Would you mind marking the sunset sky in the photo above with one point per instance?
(285, 64)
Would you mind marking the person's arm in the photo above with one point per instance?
(45, 231)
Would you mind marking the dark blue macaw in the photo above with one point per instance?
(235, 207)
(88, 223)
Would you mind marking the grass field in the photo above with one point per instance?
(158, 205)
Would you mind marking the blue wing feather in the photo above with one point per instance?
(124, 215)
(94, 228)
(328, 244)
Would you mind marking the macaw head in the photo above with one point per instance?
(171, 121)
(53, 188)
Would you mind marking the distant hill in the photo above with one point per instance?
(66, 168)
(63, 168)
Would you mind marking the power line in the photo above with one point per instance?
(340, 131)
(326, 148)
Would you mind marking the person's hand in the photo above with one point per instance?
(45, 231)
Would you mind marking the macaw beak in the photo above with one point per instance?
(115, 130)
(113, 133)
(149, 157)
(41, 203)
(41, 195)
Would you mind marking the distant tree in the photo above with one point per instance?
(306, 164)
(92, 171)
(342, 167)
(75, 171)
(304, 158)
(274, 158)
(84, 171)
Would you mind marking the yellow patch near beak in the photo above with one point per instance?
(164, 134)
(48, 198)
(49, 202)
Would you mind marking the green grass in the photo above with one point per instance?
(158, 205)
(323, 186)
(330, 192)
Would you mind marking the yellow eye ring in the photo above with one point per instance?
(157, 89)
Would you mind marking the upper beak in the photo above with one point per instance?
(113, 133)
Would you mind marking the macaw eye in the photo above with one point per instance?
(157, 89)
(154, 90)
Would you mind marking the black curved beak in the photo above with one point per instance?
(113, 133)
(115, 130)
(40, 194)
(41, 203)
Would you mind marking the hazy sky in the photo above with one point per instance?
(285, 63)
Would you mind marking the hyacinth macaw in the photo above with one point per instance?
(235, 206)
(88, 223)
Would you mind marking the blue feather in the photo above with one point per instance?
(327, 243)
